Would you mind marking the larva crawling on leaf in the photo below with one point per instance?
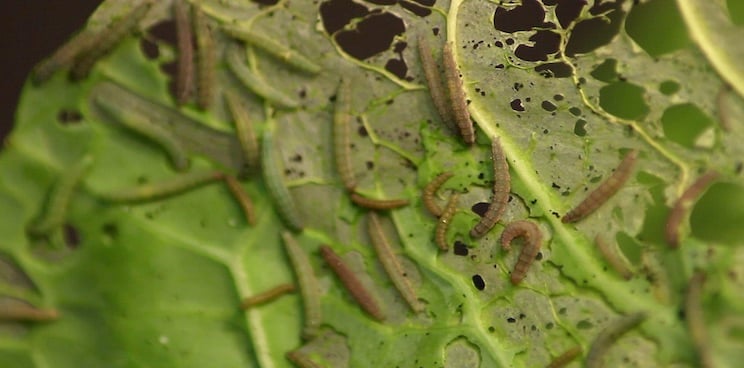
(107, 39)
(612, 257)
(430, 192)
(162, 189)
(457, 96)
(533, 239)
(60, 195)
(567, 357)
(184, 40)
(242, 197)
(609, 335)
(308, 284)
(377, 204)
(65, 56)
(434, 81)
(342, 135)
(273, 48)
(301, 360)
(604, 191)
(391, 264)
(363, 297)
(253, 82)
(19, 310)
(273, 176)
(682, 206)
(266, 296)
(244, 130)
(501, 189)
(696, 319)
(440, 233)
(206, 55)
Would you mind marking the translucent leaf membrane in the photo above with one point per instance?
(568, 87)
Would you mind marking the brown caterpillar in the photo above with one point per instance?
(437, 92)
(501, 189)
(64, 56)
(266, 296)
(440, 234)
(604, 191)
(696, 319)
(377, 204)
(206, 55)
(683, 204)
(391, 264)
(457, 96)
(184, 38)
(342, 135)
(355, 287)
(533, 240)
(431, 189)
(308, 283)
(613, 258)
(567, 357)
(245, 202)
(21, 311)
(301, 360)
(609, 335)
(107, 39)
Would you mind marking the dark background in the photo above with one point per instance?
(31, 30)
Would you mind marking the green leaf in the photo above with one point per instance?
(569, 89)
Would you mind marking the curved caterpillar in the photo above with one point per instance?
(266, 296)
(107, 39)
(255, 83)
(436, 89)
(430, 190)
(244, 129)
(613, 258)
(184, 39)
(245, 202)
(457, 96)
(206, 56)
(501, 189)
(352, 283)
(162, 189)
(696, 319)
(341, 135)
(278, 192)
(273, 48)
(59, 199)
(609, 335)
(683, 204)
(533, 240)
(604, 191)
(377, 204)
(440, 234)
(567, 357)
(308, 283)
(391, 264)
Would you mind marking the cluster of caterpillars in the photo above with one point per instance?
(259, 154)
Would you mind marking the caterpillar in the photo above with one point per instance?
(255, 83)
(273, 48)
(613, 258)
(245, 202)
(59, 199)
(604, 191)
(301, 360)
(391, 264)
(107, 39)
(355, 287)
(163, 189)
(64, 56)
(440, 233)
(341, 135)
(244, 129)
(501, 189)
(533, 240)
(308, 284)
(184, 40)
(278, 192)
(565, 358)
(206, 56)
(377, 204)
(457, 96)
(158, 134)
(267, 296)
(682, 206)
(609, 335)
(436, 91)
(696, 319)
(20, 311)
(430, 190)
